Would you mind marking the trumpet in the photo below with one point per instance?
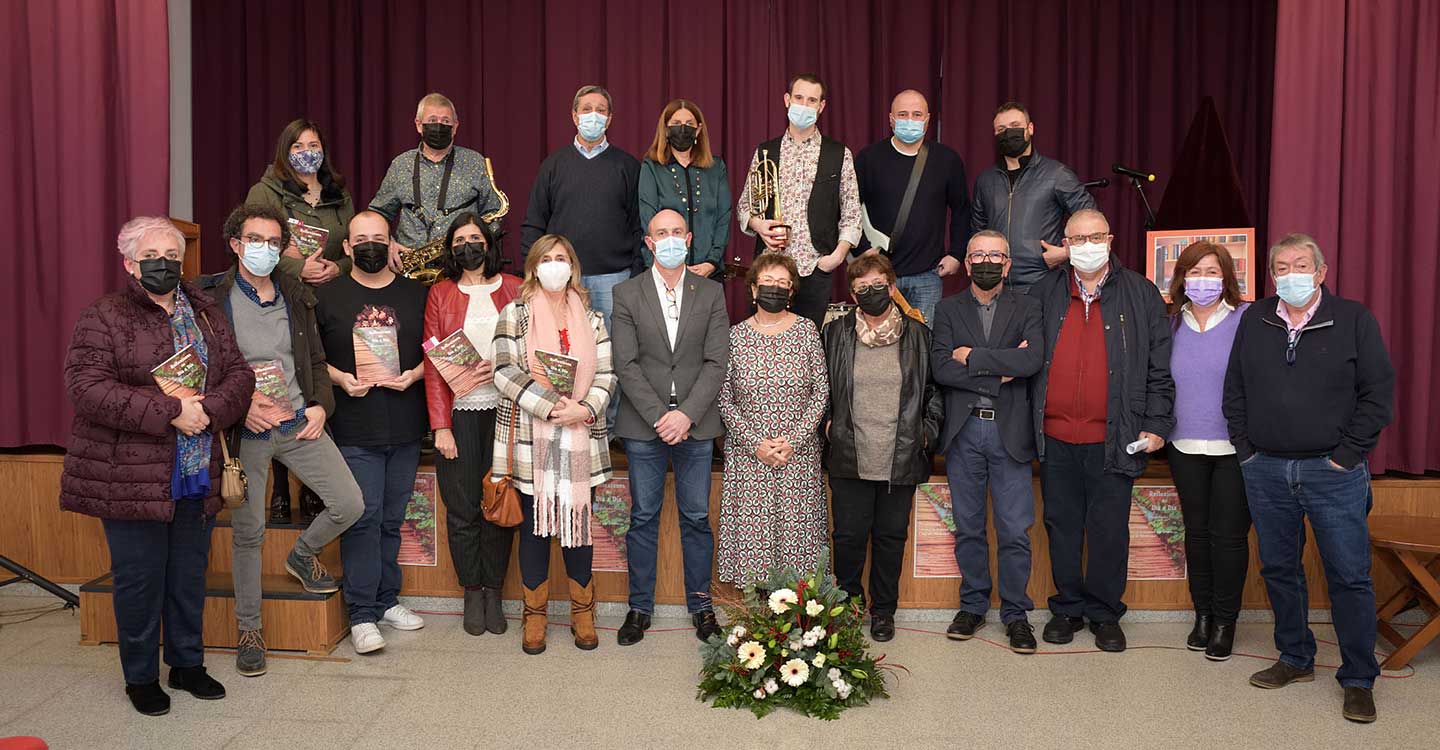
(763, 194)
(423, 263)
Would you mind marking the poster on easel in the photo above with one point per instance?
(609, 522)
(417, 532)
(934, 533)
(1163, 250)
(1157, 535)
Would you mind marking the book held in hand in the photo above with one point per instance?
(559, 370)
(458, 361)
(272, 392)
(181, 375)
(309, 239)
(377, 346)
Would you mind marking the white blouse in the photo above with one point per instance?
(480, 318)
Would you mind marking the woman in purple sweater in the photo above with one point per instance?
(1205, 310)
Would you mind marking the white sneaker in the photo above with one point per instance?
(366, 638)
(400, 618)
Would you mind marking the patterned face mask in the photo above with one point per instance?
(307, 161)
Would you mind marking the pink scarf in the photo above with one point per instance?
(562, 454)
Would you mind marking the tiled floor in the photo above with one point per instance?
(440, 688)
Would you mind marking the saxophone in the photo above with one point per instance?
(423, 263)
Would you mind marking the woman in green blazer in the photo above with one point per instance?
(680, 173)
(301, 184)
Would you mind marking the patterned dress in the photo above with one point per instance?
(775, 386)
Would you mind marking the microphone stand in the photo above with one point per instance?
(1144, 201)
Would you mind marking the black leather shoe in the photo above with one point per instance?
(705, 625)
(963, 627)
(1062, 628)
(280, 507)
(1108, 636)
(633, 631)
(1221, 642)
(1359, 705)
(882, 627)
(310, 504)
(196, 682)
(148, 699)
(1279, 675)
(1022, 637)
(1200, 635)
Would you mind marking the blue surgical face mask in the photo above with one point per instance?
(802, 116)
(592, 126)
(1295, 288)
(909, 131)
(670, 252)
(258, 258)
(307, 161)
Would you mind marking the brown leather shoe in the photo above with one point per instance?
(1359, 705)
(537, 600)
(582, 615)
(1279, 675)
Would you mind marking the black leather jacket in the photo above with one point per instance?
(917, 432)
(1035, 209)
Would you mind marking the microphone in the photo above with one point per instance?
(1098, 183)
(1134, 173)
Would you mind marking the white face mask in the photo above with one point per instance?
(553, 275)
(1089, 257)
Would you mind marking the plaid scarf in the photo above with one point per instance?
(190, 477)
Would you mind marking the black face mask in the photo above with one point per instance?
(159, 275)
(436, 135)
(873, 300)
(1011, 142)
(681, 137)
(772, 299)
(370, 257)
(987, 276)
(475, 255)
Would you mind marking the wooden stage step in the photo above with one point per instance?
(279, 540)
(294, 619)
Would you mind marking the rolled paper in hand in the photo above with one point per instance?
(1137, 446)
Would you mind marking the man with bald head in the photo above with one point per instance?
(907, 187)
(1104, 404)
(670, 340)
(370, 326)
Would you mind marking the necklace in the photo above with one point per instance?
(769, 325)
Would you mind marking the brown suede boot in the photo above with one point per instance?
(536, 602)
(582, 615)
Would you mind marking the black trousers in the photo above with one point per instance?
(875, 515)
(1086, 508)
(535, 552)
(479, 549)
(812, 297)
(1217, 528)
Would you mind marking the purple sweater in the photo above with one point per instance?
(1198, 362)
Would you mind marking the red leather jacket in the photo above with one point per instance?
(444, 314)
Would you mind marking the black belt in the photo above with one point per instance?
(986, 414)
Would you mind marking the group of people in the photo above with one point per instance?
(1055, 353)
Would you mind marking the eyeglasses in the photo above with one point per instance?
(1096, 238)
(672, 305)
(993, 257)
(251, 239)
(878, 286)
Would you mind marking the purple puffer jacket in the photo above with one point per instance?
(122, 445)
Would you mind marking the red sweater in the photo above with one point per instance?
(1077, 397)
(444, 314)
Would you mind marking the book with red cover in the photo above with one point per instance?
(309, 239)
(458, 361)
(181, 375)
(272, 392)
(559, 370)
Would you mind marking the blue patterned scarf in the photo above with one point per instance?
(190, 477)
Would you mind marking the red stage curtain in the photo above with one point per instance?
(1356, 150)
(86, 92)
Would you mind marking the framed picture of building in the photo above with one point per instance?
(1163, 251)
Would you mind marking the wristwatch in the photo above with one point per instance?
(591, 420)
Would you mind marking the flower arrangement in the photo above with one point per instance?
(795, 641)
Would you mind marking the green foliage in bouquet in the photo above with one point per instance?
(794, 642)
(420, 516)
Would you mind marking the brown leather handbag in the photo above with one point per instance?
(500, 501)
(233, 481)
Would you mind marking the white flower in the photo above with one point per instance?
(819, 661)
(817, 631)
(751, 654)
(760, 694)
(813, 608)
(809, 640)
(738, 632)
(843, 690)
(783, 600)
(732, 641)
(833, 674)
(796, 645)
(771, 686)
(794, 672)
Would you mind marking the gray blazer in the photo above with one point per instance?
(646, 365)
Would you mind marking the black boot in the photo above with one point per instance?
(474, 621)
(494, 612)
(310, 504)
(149, 699)
(280, 493)
(195, 681)
(1200, 635)
(1221, 641)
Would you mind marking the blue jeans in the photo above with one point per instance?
(602, 300)
(648, 461)
(369, 548)
(159, 575)
(977, 459)
(1283, 493)
(923, 291)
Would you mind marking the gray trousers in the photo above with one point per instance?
(320, 466)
